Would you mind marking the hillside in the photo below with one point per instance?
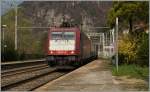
(43, 13)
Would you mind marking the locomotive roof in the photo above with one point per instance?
(65, 29)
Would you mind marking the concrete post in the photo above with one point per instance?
(117, 43)
(16, 19)
(103, 41)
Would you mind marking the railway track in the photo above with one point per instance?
(29, 78)
(5, 66)
(22, 70)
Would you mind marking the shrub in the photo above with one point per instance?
(8, 52)
(134, 50)
(127, 50)
(142, 56)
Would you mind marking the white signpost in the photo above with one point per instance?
(116, 46)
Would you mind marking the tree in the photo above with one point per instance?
(9, 53)
(133, 47)
(142, 55)
(129, 12)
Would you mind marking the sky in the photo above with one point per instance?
(6, 5)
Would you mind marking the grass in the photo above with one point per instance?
(131, 71)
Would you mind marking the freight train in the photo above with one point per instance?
(69, 46)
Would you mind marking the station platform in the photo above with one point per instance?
(95, 76)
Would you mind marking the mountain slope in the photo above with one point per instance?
(45, 13)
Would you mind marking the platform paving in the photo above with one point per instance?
(95, 76)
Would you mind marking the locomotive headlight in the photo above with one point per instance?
(72, 52)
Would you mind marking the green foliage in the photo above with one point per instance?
(31, 44)
(27, 42)
(8, 52)
(134, 50)
(127, 50)
(142, 56)
(133, 47)
(131, 71)
(128, 11)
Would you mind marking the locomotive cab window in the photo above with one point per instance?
(63, 35)
(69, 35)
(56, 35)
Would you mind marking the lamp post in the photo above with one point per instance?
(3, 45)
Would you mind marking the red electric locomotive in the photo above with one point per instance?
(68, 46)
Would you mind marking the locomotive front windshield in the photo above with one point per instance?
(63, 35)
(56, 35)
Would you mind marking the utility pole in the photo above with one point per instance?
(116, 43)
(3, 44)
(100, 41)
(16, 19)
(103, 41)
